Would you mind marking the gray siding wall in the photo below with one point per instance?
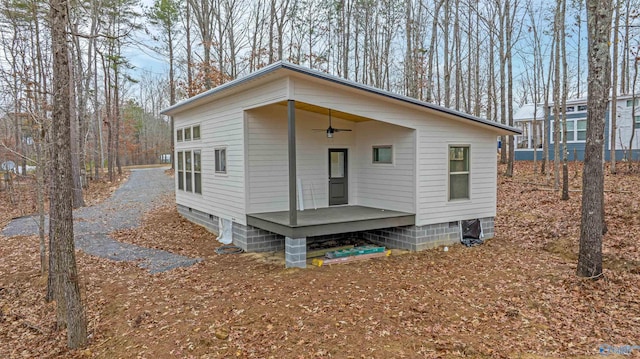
(222, 125)
(434, 134)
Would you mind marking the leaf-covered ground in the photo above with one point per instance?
(515, 296)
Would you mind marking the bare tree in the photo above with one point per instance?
(61, 197)
(614, 88)
(592, 221)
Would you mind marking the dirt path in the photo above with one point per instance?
(92, 225)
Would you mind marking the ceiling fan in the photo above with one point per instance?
(330, 130)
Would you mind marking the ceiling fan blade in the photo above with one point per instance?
(341, 129)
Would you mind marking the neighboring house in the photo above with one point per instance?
(365, 162)
(576, 111)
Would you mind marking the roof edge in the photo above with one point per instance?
(321, 75)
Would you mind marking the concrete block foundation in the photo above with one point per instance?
(413, 238)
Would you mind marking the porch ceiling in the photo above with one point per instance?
(330, 220)
(325, 111)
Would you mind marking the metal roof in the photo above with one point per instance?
(282, 65)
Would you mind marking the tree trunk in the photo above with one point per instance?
(614, 89)
(599, 31)
(61, 197)
(565, 80)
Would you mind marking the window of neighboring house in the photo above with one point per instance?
(197, 172)
(576, 130)
(630, 102)
(196, 132)
(637, 121)
(179, 135)
(582, 107)
(187, 171)
(180, 171)
(570, 109)
(221, 160)
(187, 134)
(458, 172)
(382, 154)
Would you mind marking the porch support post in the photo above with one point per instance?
(295, 252)
(293, 211)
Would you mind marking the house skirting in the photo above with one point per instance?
(414, 238)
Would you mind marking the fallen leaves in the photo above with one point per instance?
(514, 296)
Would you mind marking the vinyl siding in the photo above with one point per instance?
(222, 125)
(624, 127)
(267, 156)
(388, 186)
(434, 133)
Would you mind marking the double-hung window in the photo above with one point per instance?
(180, 170)
(197, 172)
(458, 172)
(187, 169)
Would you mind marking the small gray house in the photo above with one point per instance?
(288, 155)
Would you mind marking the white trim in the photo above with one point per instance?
(392, 160)
(467, 172)
(215, 161)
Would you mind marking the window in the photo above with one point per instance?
(196, 132)
(576, 130)
(187, 171)
(180, 171)
(581, 130)
(179, 135)
(197, 172)
(570, 109)
(631, 102)
(187, 134)
(221, 160)
(458, 172)
(382, 154)
(637, 121)
(582, 107)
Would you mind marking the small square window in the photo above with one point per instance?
(221, 160)
(196, 132)
(637, 121)
(570, 109)
(187, 134)
(179, 135)
(382, 154)
(631, 102)
(582, 107)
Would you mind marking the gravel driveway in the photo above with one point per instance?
(124, 209)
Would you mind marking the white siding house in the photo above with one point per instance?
(400, 172)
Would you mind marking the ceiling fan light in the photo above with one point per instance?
(329, 134)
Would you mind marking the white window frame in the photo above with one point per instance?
(179, 135)
(197, 171)
(575, 130)
(180, 170)
(378, 147)
(193, 133)
(631, 102)
(467, 172)
(218, 168)
(188, 171)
